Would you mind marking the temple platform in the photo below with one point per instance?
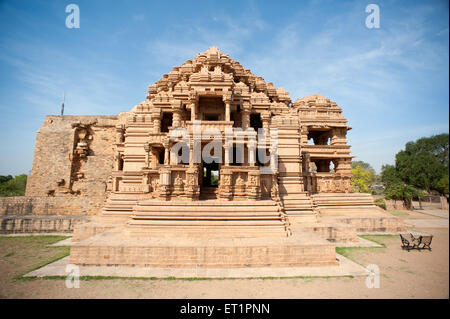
(356, 210)
(113, 247)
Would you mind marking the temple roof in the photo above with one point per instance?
(215, 66)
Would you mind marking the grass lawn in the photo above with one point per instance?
(21, 254)
(398, 213)
(352, 252)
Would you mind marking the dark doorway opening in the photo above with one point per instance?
(255, 121)
(166, 122)
(211, 175)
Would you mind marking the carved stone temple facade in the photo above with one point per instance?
(217, 168)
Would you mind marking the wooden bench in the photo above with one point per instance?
(409, 241)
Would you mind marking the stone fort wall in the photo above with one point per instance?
(73, 156)
(73, 159)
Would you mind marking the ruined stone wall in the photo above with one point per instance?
(73, 156)
(50, 205)
(73, 159)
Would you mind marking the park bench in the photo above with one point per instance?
(409, 241)
(425, 241)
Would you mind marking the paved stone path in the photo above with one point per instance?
(346, 268)
(428, 223)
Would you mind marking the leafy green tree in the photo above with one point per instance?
(4, 179)
(361, 179)
(14, 187)
(424, 162)
(442, 185)
(403, 192)
(389, 175)
(364, 165)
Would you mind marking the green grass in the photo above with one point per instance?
(398, 213)
(348, 251)
(28, 247)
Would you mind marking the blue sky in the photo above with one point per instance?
(391, 82)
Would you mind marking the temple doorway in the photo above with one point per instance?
(210, 180)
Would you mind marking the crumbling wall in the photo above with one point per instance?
(73, 159)
(51, 205)
(73, 156)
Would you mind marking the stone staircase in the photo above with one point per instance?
(116, 211)
(357, 210)
(119, 206)
(342, 204)
(209, 192)
(299, 207)
(208, 218)
(296, 202)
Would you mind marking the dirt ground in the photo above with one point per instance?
(414, 274)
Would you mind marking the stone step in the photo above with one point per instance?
(203, 217)
(221, 223)
(296, 209)
(199, 214)
(213, 203)
(117, 212)
(202, 232)
(222, 217)
(206, 209)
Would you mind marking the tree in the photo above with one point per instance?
(442, 185)
(14, 187)
(389, 175)
(400, 191)
(424, 162)
(4, 179)
(362, 179)
(364, 165)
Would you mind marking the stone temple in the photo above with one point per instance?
(216, 168)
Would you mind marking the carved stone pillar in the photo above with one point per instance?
(193, 100)
(246, 115)
(176, 118)
(273, 160)
(304, 135)
(156, 116)
(226, 98)
(176, 110)
(253, 185)
(164, 184)
(227, 111)
(154, 158)
(265, 117)
(251, 152)
(274, 191)
(225, 191)
(191, 188)
(245, 119)
(227, 146)
(145, 184)
(193, 112)
(166, 152)
(147, 155)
